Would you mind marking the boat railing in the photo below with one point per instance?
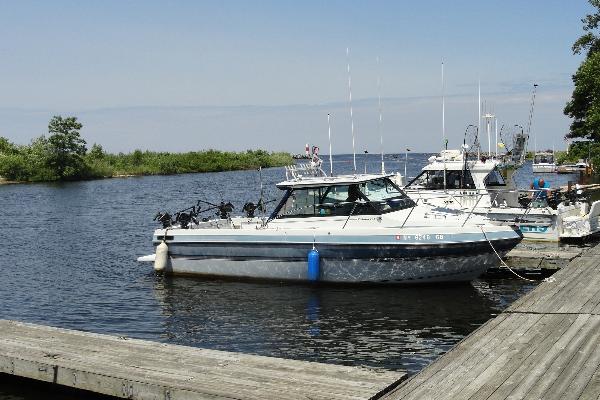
(473, 208)
(299, 171)
(499, 197)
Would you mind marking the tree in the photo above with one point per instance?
(584, 106)
(6, 147)
(96, 152)
(66, 147)
(589, 41)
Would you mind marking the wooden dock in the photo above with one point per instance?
(137, 369)
(530, 257)
(545, 346)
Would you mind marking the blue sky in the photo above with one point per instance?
(187, 75)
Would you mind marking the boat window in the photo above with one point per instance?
(368, 198)
(494, 178)
(543, 159)
(325, 201)
(385, 196)
(434, 180)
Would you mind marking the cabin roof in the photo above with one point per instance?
(319, 181)
(455, 165)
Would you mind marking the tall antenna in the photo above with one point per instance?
(444, 124)
(478, 114)
(330, 156)
(443, 107)
(531, 118)
(350, 102)
(496, 127)
(489, 117)
(380, 117)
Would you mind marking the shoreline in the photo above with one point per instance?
(4, 181)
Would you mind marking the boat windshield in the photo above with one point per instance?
(378, 196)
(543, 159)
(494, 178)
(434, 180)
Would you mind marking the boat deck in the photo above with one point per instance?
(545, 346)
(138, 369)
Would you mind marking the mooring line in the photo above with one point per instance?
(549, 279)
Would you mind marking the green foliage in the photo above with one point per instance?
(584, 106)
(7, 147)
(96, 152)
(582, 150)
(66, 148)
(30, 163)
(159, 163)
(589, 41)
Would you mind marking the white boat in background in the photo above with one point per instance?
(543, 163)
(478, 186)
(363, 229)
(580, 166)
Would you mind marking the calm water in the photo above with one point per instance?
(68, 260)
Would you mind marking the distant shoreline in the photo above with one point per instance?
(4, 181)
(138, 163)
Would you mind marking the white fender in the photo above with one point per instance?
(162, 257)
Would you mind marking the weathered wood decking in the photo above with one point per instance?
(138, 369)
(545, 346)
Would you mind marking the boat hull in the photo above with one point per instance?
(345, 264)
(536, 227)
(543, 168)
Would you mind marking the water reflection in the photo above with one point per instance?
(382, 327)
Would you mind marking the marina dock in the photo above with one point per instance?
(528, 256)
(138, 369)
(546, 345)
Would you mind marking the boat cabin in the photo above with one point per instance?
(434, 180)
(543, 158)
(471, 175)
(471, 178)
(340, 196)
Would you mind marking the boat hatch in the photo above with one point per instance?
(377, 196)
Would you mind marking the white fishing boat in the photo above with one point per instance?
(543, 163)
(579, 166)
(343, 229)
(478, 186)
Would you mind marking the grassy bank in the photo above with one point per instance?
(33, 163)
(154, 163)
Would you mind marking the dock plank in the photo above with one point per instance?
(591, 389)
(536, 365)
(439, 368)
(511, 372)
(545, 345)
(456, 378)
(561, 369)
(485, 380)
(579, 370)
(148, 370)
